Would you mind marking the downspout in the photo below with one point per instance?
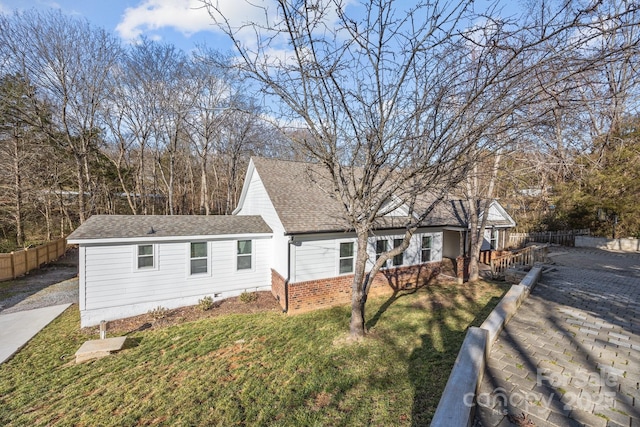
(286, 282)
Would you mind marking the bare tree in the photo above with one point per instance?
(16, 130)
(479, 187)
(616, 80)
(70, 75)
(583, 94)
(135, 110)
(213, 98)
(173, 101)
(393, 101)
(243, 135)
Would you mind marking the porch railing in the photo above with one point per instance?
(522, 257)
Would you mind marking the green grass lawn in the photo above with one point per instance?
(260, 369)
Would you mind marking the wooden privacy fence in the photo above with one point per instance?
(21, 262)
(527, 256)
(563, 237)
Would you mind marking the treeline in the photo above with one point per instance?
(595, 186)
(89, 126)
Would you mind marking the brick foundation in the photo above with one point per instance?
(278, 288)
(311, 295)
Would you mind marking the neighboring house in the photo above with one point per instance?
(288, 234)
(130, 264)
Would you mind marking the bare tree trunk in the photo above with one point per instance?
(216, 178)
(64, 214)
(478, 205)
(47, 215)
(204, 188)
(155, 186)
(474, 239)
(18, 191)
(81, 187)
(170, 184)
(190, 190)
(141, 184)
(118, 164)
(357, 325)
(231, 184)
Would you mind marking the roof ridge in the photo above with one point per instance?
(275, 159)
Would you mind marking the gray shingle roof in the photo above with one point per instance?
(302, 195)
(138, 226)
(456, 213)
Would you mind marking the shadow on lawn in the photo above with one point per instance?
(403, 282)
(431, 363)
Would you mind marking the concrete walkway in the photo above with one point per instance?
(571, 354)
(16, 329)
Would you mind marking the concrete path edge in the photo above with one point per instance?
(17, 329)
(455, 408)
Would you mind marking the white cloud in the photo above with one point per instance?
(51, 4)
(187, 16)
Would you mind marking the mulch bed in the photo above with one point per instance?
(263, 303)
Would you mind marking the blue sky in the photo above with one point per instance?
(181, 22)
(184, 23)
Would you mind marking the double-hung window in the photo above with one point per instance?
(244, 254)
(346, 258)
(398, 259)
(381, 247)
(145, 257)
(198, 262)
(494, 239)
(425, 252)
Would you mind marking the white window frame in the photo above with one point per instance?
(189, 259)
(401, 255)
(493, 240)
(386, 249)
(136, 256)
(430, 248)
(251, 255)
(352, 257)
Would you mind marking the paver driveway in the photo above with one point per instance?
(571, 354)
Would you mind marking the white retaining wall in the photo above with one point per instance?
(626, 245)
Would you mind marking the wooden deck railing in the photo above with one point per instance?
(21, 262)
(522, 257)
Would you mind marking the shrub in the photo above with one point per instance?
(247, 297)
(159, 312)
(205, 303)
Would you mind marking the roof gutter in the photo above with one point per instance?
(169, 239)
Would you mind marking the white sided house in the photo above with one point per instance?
(288, 234)
(313, 252)
(130, 264)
